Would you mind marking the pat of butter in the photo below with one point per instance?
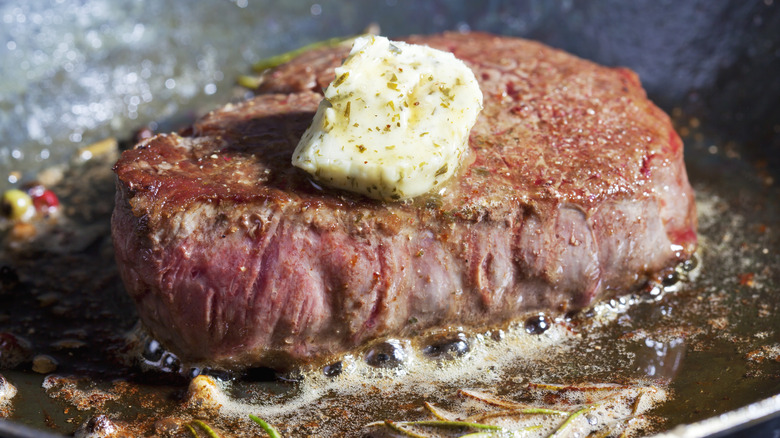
(394, 123)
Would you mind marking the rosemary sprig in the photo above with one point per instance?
(516, 412)
(253, 82)
(638, 401)
(515, 408)
(250, 82)
(273, 61)
(502, 433)
(191, 430)
(479, 429)
(435, 412)
(491, 400)
(559, 431)
(582, 388)
(210, 432)
(400, 426)
(272, 433)
(450, 424)
(402, 430)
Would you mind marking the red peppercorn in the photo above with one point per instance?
(44, 200)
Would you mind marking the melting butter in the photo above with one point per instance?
(394, 122)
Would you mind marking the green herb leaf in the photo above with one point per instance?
(272, 433)
(435, 412)
(516, 412)
(250, 82)
(400, 429)
(449, 423)
(576, 388)
(502, 433)
(559, 432)
(205, 428)
(276, 60)
(192, 430)
(340, 80)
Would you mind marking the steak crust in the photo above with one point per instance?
(574, 189)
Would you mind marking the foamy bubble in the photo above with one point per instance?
(417, 372)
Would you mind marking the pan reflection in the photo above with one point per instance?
(661, 360)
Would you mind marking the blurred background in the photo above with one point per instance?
(75, 72)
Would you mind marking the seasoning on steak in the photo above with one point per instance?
(574, 190)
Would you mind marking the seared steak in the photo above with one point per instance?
(574, 190)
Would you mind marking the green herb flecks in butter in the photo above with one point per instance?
(404, 111)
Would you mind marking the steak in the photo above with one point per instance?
(573, 190)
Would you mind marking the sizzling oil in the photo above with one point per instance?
(709, 345)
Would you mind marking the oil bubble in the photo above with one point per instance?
(194, 372)
(153, 351)
(447, 347)
(333, 369)
(387, 354)
(536, 325)
(670, 279)
(690, 264)
(97, 426)
(170, 363)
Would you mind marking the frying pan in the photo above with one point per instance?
(75, 73)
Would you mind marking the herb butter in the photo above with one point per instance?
(394, 123)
